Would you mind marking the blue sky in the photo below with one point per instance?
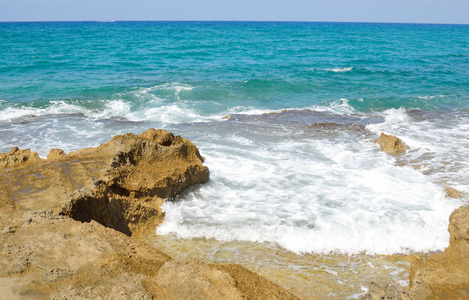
(402, 11)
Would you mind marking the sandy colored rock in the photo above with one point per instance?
(120, 184)
(198, 280)
(56, 154)
(391, 144)
(445, 275)
(18, 157)
(452, 193)
(70, 224)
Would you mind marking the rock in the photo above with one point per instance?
(56, 154)
(195, 281)
(445, 275)
(125, 179)
(391, 292)
(452, 193)
(198, 280)
(72, 223)
(17, 157)
(391, 144)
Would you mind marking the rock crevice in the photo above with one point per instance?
(53, 244)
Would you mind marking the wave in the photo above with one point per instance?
(310, 193)
(335, 70)
(339, 70)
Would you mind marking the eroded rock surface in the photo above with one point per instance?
(119, 184)
(53, 244)
(445, 275)
(391, 144)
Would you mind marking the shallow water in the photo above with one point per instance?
(316, 182)
(309, 276)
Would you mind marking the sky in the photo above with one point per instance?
(394, 11)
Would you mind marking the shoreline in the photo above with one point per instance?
(111, 185)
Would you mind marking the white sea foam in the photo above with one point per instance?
(339, 70)
(176, 87)
(56, 107)
(335, 70)
(311, 195)
(435, 144)
(113, 108)
(340, 106)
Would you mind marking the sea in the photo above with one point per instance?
(286, 115)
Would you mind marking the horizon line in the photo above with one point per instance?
(235, 21)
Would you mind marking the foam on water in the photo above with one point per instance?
(334, 70)
(311, 191)
(339, 70)
(340, 106)
(435, 141)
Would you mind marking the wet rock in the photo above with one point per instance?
(391, 144)
(197, 280)
(452, 193)
(390, 292)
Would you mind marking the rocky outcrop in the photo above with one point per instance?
(391, 144)
(436, 276)
(452, 193)
(17, 157)
(119, 184)
(70, 224)
(445, 275)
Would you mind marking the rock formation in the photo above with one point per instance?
(452, 193)
(437, 276)
(445, 275)
(391, 144)
(70, 225)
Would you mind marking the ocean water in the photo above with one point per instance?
(295, 167)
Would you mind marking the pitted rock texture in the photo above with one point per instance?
(53, 244)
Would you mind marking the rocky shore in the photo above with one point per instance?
(71, 227)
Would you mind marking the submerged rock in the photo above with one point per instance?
(391, 144)
(71, 223)
(389, 292)
(452, 193)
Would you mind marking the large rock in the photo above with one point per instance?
(445, 275)
(70, 224)
(391, 144)
(119, 184)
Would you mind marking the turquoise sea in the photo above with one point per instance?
(308, 178)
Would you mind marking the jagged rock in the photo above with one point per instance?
(54, 246)
(376, 292)
(452, 193)
(208, 281)
(17, 157)
(126, 178)
(391, 144)
(56, 154)
(445, 275)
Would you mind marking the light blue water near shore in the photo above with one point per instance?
(275, 178)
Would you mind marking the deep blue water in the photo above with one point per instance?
(260, 65)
